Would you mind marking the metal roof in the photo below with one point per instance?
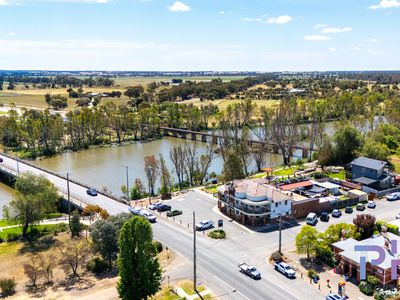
(369, 163)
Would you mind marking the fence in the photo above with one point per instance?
(380, 193)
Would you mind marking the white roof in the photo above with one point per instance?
(357, 192)
(328, 185)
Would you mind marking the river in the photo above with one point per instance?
(6, 195)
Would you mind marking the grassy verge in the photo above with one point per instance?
(211, 189)
(4, 223)
(284, 172)
(9, 248)
(187, 286)
(341, 175)
(258, 175)
(166, 294)
(395, 161)
(217, 234)
(16, 232)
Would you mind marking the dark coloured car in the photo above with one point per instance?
(163, 207)
(91, 192)
(348, 210)
(1, 160)
(324, 217)
(173, 213)
(360, 207)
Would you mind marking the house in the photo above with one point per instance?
(349, 259)
(253, 202)
(371, 173)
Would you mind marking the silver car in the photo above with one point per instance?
(393, 196)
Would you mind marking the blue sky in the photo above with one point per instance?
(261, 35)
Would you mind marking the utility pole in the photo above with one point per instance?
(127, 185)
(280, 234)
(69, 200)
(17, 166)
(194, 253)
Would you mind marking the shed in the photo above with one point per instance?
(333, 188)
(362, 196)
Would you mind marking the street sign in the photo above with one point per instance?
(220, 223)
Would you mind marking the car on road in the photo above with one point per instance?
(398, 216)
(332, 296)
(371, 204)
(285, 269)
(91, 192)
(324, 217)
(1, 160)
(360, 207)
(135, 210)
(163, 207)
(348, 210)
(249, 271)
(154, 205)
(204, 225)
(336, 213)
(173, 213)
(148, 215)
(312, 219)
(393, 196)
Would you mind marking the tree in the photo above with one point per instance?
(91, 210)
(326, 154)
(48, 263)
(204, 163)
(336, 232)
(35, 196)
(307, 241)
(348, 141)
(75, 226)
(33, 269)
(74, 256)
(105, 237)
(151, 167)
(165, 176)
(259, 156)
(233, 167)
(139, 269)
(177, 156)
(365, 225)
(138, 189)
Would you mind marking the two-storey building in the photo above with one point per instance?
(371, 173)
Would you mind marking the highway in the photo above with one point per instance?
(217, 262)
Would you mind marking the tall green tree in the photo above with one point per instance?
(139, 269)
(233, 166)
(307, 241)
(105, 237)
(75, 226)
(348, 141)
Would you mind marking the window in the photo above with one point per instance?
(276, 204)
(285, 202)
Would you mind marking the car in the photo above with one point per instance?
(204, 225)
(371, 204)
(148, 215)
(398, 216)
(91, 192)
(285, 269)
(393, 196)
(312, 219)
(348, 210)
(173, 213)
(163, 207)
(154, 205)
(249, 271)
(336, 213)
(333, 296)
(360, 207)
(1, 160)
(324, 217)
(135, 210)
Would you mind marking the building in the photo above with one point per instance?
(371, 173)
(349, 260)
(253, 202)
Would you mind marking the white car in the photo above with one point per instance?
(135, 210)
(203, 225)
(154, 206)
(371, 204)
(393, 196)
(285, 269)
(148, 215)
(332, 296)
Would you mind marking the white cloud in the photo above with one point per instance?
(179, 7)
(386, 4)
(319, 26)
(356, 48)
(4, 2)
(332, 49)
(280, 20)
(336, 30)
(316, 38)
(222, 12)
(12, 34)
(247, 19)
(374, 40)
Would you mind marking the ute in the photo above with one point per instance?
(285, 269)
(250, 271)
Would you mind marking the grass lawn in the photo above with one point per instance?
(165, 294)
(395, 161)
(41, 229)
(4, 223)
(211, 189)
(284, 172)
(187, 286)
(258, 175)
(9, 248)
(341, 175)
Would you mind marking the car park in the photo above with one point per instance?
(393, 196)
(173, 213)
(148, 215)
(324, 217)
(250, 271)
(333, 296)
(285, 269)
(360, 207)
(312, 219)
(204, 225)
(371, 204)
(91, 192)
(348, 210)
(135, 210)
(154, 205)
(336, 213)
(163, 207)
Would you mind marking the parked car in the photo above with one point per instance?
(393, 196)
(91, 192)
(360, 207)
(336, 213)
(398, 216)
(249, 271)
(135, 210)
(1, 160)
(204, 225)
(148, 215)
(285, 269)
(324, 217)
(163, 207)
(348, 210)
(173, 213)
(154, 205)
(371, 204)
(312, 219)
(332, 296)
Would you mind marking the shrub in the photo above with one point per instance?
(276, 256)
(373, 281)
(386, 294)
(312, 273)
(319, 175)
(158, 246)
(217, 234)
(97, 265)
(390, 227)
(7, 286)
(12, 237)
(366, 288)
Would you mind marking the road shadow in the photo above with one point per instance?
(311, 264)
(286, 224)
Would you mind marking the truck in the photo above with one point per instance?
(285, 269)
(250, 271)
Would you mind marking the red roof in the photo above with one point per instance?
(350, 185)
(292, 186)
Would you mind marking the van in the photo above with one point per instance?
(311, 219)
